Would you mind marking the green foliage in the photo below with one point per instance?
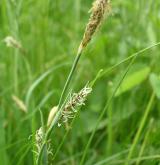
(133, 80)
(155, 82)
(50, 32)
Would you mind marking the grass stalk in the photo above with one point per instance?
(140, 129)
(97, 13)
(133, 160)
(145, 141)
(16, 72)
(106, 108)
(64, 137)
(110, 130)
(106, 71)
(60, 107)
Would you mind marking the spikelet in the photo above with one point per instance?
(97, 14)
(19, 103)
(75, 100)
(39, 139)
(12, 42)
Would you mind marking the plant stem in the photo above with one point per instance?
(141, 126)
(60, 107)
(100, 74)
(145, 141)
(64, 137)
(110, 130)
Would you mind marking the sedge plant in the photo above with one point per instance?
(97, 11)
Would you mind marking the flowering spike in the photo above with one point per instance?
(97, 14)
(76, 99)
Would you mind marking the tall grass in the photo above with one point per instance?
(115, 126)
(97, 14)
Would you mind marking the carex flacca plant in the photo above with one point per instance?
(68, 103)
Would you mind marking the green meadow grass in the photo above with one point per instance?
(120, 122)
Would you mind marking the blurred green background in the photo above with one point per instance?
(50, 32)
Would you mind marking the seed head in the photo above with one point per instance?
(19, 103)
(97, 14)
(12, 42)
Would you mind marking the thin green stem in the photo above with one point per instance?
(105, 108)
(45, 158)
(132, 161)
(141, 126)
(60, 107)
(64, 137)
(101, 73)
(69, 77)
(110, 130)
(16, 72)
(111, 158)
(145, 141)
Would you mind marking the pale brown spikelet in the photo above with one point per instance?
(97, 14)
(19, 103)
(51, 115)
(12, 42)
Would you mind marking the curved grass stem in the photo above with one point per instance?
(133, 58)
(60, 106)
(140, 129)
(104, 110)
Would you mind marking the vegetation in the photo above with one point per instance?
(119, 123)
